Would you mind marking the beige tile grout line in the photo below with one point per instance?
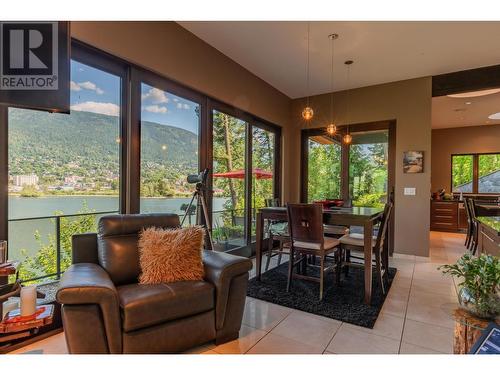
(268, 332)
(334, 334)
(406, 309)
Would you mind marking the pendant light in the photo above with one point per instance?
(307, 112)
(331, 129)
(348, 137)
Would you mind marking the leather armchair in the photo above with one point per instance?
(105, 310)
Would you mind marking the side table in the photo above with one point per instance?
(10, 331)
(468, 329)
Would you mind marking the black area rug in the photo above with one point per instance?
(344, 302)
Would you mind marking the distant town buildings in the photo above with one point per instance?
(25, 180)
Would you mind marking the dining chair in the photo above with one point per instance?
(475, 226)
(307, 239)
(468, 236)
(277, 230)
(352, 248)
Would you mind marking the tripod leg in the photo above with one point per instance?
(188, 210)
(207, 219)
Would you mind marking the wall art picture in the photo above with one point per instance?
(413, 162)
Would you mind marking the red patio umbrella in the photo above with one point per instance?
(258, 173)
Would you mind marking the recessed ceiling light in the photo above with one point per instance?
(473, 94)
(494, 116)
(468, 103)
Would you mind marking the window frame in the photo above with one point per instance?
(475, 171)
(389, 125)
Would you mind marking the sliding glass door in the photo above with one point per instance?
(263, 170)
(244, 176)
(229, 204)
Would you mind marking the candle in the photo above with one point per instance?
(28, 300)
(9, 305)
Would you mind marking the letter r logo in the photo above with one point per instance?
(29, 55)
(27, 48)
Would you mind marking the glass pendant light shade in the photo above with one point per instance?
(331, 129)
(347, 138)
(307, 113)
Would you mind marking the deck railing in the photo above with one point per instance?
(56, 220)
(230, 232)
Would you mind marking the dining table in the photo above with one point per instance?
(365, 217)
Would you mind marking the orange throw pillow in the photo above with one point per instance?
(169, 255)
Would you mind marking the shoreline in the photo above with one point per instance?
(90, 195)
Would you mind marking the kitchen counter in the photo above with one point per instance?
(492, 222)
(489, 235)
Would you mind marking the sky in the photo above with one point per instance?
(93, 90)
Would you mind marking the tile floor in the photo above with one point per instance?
(415, 318)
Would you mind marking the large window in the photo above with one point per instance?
(130, 142)
(169, 150)
(489, 173)
(361, 171)
(63, 171)
(462, 173)
(324, 167)
(368, 173)
(476, 173)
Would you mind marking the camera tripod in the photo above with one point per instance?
(200, 196)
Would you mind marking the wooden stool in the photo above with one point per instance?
(468, 329)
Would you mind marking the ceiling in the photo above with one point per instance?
(455, 112)
(382, 51)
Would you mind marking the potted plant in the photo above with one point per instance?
(479, 277)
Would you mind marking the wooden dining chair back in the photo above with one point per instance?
(475, 226)
(277, 230)
(382, 231)
(355, 242)
(306, 222)
(272, 202)
(468, 237)
(308, 243)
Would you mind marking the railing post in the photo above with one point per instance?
(58, 247)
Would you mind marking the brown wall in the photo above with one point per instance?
(172, 51)
(471, 139)
(409, 103)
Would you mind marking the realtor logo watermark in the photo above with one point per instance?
(28, 56)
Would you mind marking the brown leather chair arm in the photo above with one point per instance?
(220, 270)
(89, 284)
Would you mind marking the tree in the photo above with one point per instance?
(44, 262)
(324, 171)
(229, 135)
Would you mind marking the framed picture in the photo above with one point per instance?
(413, 162)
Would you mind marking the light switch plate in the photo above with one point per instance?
(410, 191)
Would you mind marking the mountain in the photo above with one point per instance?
(54, 146)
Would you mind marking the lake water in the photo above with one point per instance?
(21, 233)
